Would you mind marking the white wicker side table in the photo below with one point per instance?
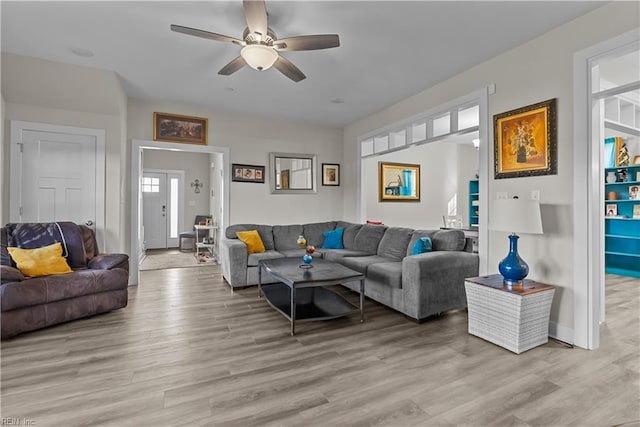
(513, 317)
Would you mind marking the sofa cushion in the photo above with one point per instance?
(333, 239)
(265, 231)
(286, 236)
(40, 261)
(46, 289)
(389, 273)
(394, 242)
(334, 255)
(37, 235)
(254, 259)
(314, 232)
(253, 241)
(448, 240)
(422, 245)
(418, 234)
(10, 274)
(361, 263)
(349, 234)
(368, 238)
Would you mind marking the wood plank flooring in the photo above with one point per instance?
(187, 351)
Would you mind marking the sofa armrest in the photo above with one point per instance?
(109, 262)
(433, 282)
(10, 274)
(234, 257)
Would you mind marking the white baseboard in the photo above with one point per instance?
(560, 332)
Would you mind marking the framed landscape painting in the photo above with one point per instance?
(526, 141)
(176, 128)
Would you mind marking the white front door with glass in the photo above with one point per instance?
(162, 208)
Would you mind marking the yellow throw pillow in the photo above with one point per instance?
(252, 240)
(41, 261)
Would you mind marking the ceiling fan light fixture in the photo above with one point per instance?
(258, 56)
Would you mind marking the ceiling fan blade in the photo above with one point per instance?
(319, 41)
(205, 34)
(287, 68)
(255, 11)
(232, 66)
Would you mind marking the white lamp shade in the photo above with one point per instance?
(259, 57)
(515, 216)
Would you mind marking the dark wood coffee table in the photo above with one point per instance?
(301, 293)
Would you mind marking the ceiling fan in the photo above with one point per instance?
(260, 44)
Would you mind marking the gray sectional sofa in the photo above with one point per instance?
(417, 285)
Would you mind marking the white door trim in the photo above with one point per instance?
(137, 146)
(588, 245)
(17, 128)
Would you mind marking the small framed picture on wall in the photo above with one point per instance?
(247, 173)
(330, 174)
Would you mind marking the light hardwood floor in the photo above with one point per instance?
(187, 351)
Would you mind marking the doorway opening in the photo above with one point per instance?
(593, 106)
(214, 200)
(458, 127)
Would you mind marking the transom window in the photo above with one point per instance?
(150, 185)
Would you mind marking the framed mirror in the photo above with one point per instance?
(292, 173)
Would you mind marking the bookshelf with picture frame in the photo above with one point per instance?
(622, 220)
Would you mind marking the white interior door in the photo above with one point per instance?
(154, 210)
(57, 174)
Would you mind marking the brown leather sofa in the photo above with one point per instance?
(98, 283)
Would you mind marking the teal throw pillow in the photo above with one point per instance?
(333, 239)
(421, 246)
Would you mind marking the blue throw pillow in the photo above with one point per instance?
(333, 239)
(421, 246)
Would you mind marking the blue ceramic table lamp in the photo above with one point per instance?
(515, 216)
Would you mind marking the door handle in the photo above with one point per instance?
(88, 223)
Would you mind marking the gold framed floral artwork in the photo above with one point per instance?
(526, 141)
(176, 128)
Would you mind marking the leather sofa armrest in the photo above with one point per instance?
(109, 262)
(10, 274)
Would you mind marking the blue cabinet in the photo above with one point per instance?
(622, 221)
(473, 203)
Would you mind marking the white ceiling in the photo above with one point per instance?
(389, 49)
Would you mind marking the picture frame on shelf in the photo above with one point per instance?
(634, 192)
(398, 182)
(636, 211)
(525, 141)
(612, 147)
(636, 160)
(331, 174)
(611, 210)
(177, 128)
(247, 173)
